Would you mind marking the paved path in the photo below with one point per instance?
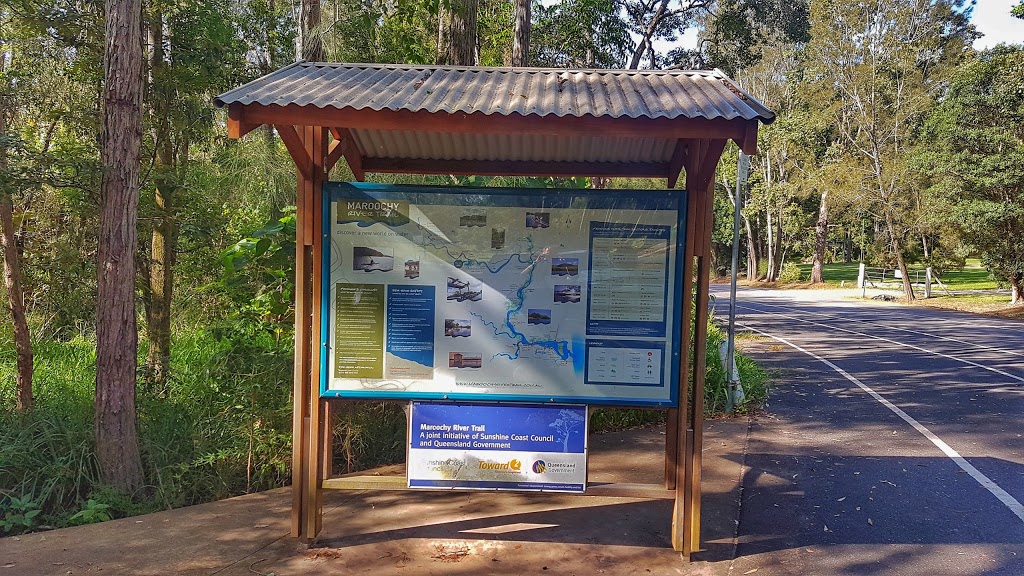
(418, 533)
(892, 444)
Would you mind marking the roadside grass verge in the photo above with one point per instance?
(971, 277)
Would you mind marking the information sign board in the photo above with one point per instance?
(502, 447)
(502, 294)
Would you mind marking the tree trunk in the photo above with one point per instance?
(1017, 289)
(117, 445)
(12, 281)
(770, 246)
(776, 257)
(521, 37)
(311, 40)
(901, 263)
(752, 254)
(644, 44)
(160, 277)
(457, 34)
(820, 240)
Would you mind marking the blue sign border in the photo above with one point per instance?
(669, 199)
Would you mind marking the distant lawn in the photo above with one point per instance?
(972, 277)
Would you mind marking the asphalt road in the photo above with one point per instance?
(893, 442)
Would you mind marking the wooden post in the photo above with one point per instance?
(300, 385)
(702, 159)
(679, 513)
(315, 141)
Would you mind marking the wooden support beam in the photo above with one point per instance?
(748, 144)
(315, 146)
(519, 168)
(297, 150)
(236, 126)
(682, 456)
(479, 123)
(300, 381)
(351, 152)
(701, 163)
(675, 165)
(334, 152)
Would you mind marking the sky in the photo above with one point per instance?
(992, 18)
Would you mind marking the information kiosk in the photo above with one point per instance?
(500, 316)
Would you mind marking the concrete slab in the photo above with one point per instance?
(420, 532)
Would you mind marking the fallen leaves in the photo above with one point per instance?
(450, 552)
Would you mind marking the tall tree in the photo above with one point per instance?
(876, 66)
(190, 58)
(973, 149)
(521, 34)
(580, 34)
(8, 240)
(12, 264)
(457, 33)
(310, 44)
(117, 445)
(159, 282)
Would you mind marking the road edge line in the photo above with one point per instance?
(1002, 495)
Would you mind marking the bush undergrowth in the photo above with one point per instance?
(221, 426)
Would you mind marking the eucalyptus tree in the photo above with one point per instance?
(117, 443)
(877, 66)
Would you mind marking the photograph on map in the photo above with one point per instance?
(463, 289)
(497, 238)
(538, 219)
(473, 218)
(373, 259)
(412, 269)
(565, 266)
(538, 316)
(456, 327)
(465, 360)
(567, 293)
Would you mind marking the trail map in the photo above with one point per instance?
(502, 294)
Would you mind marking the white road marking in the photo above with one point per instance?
(891, 341)
(879, 322)
(1002, 495)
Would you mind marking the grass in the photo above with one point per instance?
(220, 427)
(972, 277)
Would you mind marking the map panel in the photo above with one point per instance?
(502, 294)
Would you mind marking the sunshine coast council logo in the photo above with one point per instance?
(539, 466)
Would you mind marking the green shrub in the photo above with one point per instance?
(790, 272)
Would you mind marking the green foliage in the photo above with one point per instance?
(259, 276)
(17, 515)
(753, 379)
(790, 272)
(971, 152)
(91, 513)
(579, 34)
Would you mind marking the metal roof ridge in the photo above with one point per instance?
(525, 69)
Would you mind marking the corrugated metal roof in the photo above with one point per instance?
(504, 91)
(510, 147)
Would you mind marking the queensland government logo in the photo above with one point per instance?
(539, 467)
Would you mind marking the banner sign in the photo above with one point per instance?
(502, 294)
(498, 447)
